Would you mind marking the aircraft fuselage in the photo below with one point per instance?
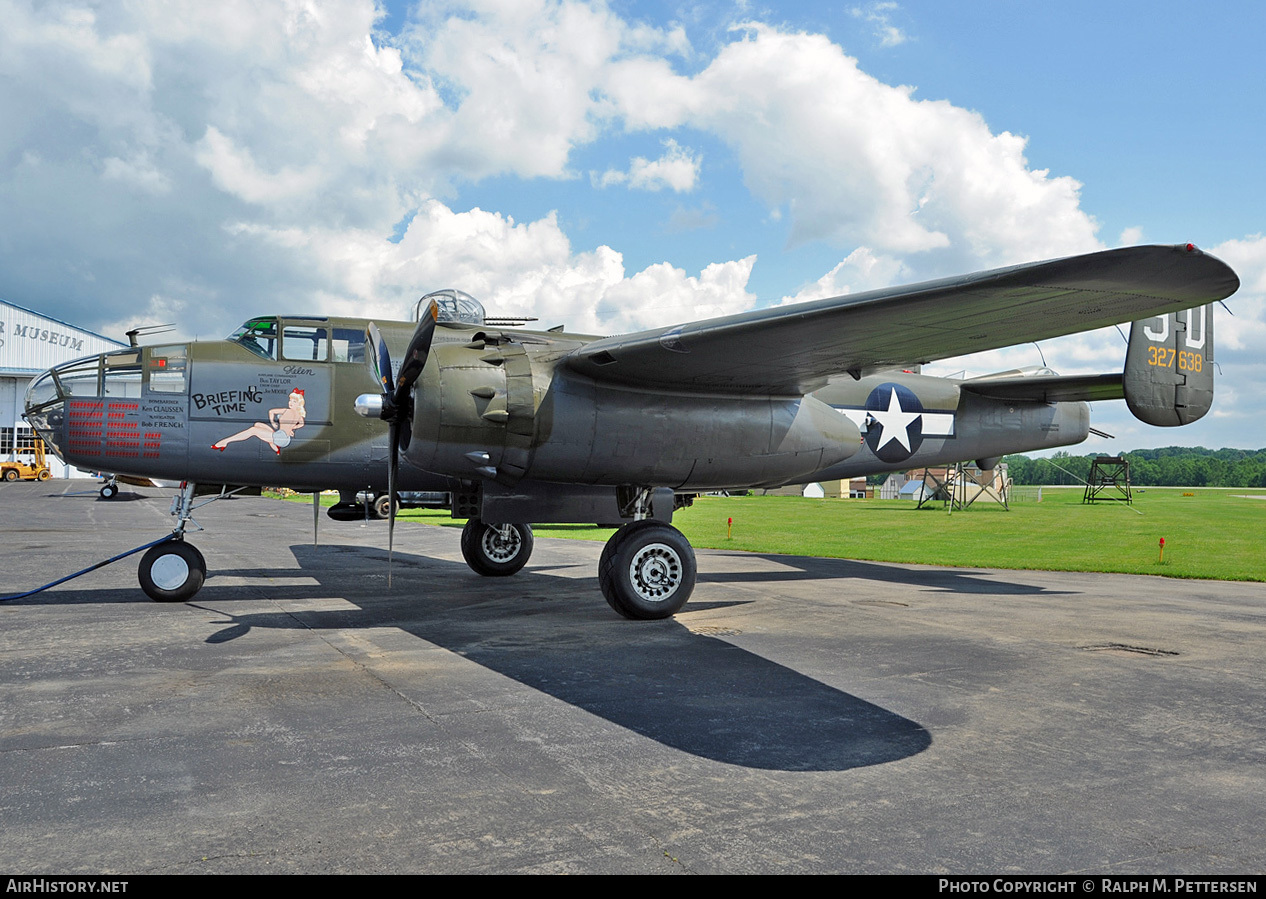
(272, 409)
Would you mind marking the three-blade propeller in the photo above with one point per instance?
(395, 406)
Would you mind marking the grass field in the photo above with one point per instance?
(1208, 534)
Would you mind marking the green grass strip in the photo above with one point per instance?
(1209, 533)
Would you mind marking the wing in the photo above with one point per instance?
(792, 350)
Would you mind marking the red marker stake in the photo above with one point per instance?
(1162, 549)
(729, 527)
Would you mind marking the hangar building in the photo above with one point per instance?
(31, 343)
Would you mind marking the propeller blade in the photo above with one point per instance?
(415, 356)
(393, 460)
(379, 358)
(397, 405)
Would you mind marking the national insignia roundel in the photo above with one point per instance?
(895, 422)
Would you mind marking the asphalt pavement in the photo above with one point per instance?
(800, 715)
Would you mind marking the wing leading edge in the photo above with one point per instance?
(792, 350)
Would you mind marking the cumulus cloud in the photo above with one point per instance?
(246, 156)
(206, 162)
(1132, 236)
(524, 79)
(677, 170)
(1240, 342)
(856, 161)
(514, 268)
(860, 270)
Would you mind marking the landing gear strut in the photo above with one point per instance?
(647, 570)
(496, 550)
(174, 571)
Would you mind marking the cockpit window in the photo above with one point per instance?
(42, 392)
(259, 335)
(349, 345)
(454, 306)
(122, 376)
(82, 378)
(168, 367)
(305, 343)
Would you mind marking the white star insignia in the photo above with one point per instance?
(895, 423)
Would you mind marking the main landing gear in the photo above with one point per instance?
(647, 570)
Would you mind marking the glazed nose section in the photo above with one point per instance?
(46, 409)
(71, 384)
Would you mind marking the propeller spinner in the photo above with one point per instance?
(395, 404)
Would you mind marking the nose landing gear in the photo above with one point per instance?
(172, 572)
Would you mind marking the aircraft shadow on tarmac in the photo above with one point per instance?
(810, 568)
(552, 632)
(696, 693)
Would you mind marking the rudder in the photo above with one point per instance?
(1168, 379)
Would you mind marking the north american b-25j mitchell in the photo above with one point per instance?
(524, 426)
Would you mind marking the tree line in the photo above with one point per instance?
(1170, 466)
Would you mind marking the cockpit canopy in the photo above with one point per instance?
(454, 306)
(301, 339)
(314, 339)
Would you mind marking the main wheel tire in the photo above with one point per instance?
(621, 534)
(648, 571)
(109, 491)
(10, 474)
(44, 475)
(488, 553)
(172, 572)
(382, 507)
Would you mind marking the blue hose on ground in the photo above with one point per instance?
(89, 568)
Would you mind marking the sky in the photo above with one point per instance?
(618, 166)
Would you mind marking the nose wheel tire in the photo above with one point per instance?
(647, 570)
(496, 551)
(109, 491)
(172, 572)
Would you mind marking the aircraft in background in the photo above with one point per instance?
(522, 426)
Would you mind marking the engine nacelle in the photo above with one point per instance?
(504, 413)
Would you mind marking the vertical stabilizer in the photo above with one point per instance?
(1168, 378)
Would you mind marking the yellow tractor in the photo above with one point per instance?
(38, 471)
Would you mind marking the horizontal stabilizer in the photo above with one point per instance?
(1048, 388)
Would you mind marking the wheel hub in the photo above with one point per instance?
(501, 547)
(655, 572)
(170, 572)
